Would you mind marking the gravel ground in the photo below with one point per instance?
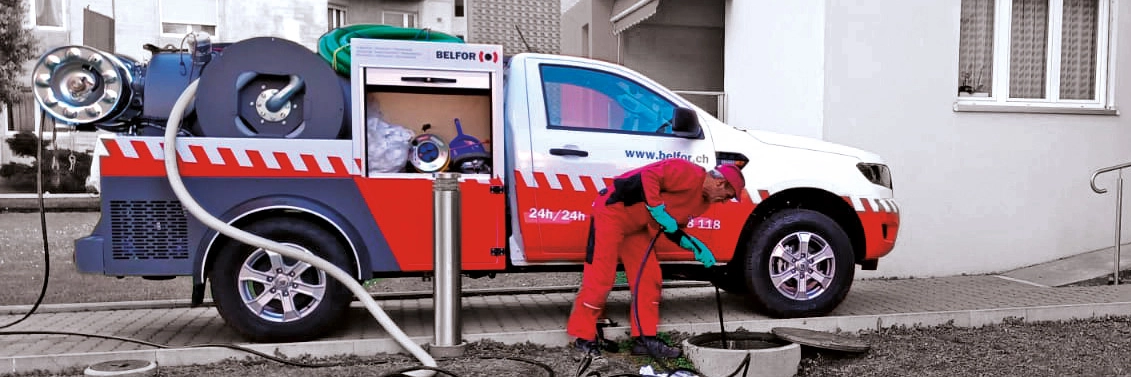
(1095, 347)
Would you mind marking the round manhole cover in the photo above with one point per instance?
(820, 339)
(122, 368)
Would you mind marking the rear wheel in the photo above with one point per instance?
(800, 264)
(269, 298)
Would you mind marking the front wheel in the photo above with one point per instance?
(269, 298)
(800, 264)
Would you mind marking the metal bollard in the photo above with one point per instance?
(446, 266)
(1118, 227)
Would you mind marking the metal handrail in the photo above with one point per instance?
(1118, 211)
(720, 97)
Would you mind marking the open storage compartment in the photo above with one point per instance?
(447, 112)
(427, 107)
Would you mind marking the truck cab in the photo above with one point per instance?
(341, 164)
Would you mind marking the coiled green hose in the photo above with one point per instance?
(334, 45)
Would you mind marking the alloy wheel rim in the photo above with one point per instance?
(280, 289)
(802, 266)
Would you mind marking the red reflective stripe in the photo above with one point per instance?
(867, 205)
(587, 183)
(540, 178)
(338, 164)
(565, 181)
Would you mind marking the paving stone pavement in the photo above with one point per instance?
(540, 318)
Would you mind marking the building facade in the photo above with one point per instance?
(126, 27)
(993, 114)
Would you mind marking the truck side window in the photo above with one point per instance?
(588, 100)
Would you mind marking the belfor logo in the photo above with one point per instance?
(483, 56)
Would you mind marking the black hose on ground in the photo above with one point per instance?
(42, 223)
(636, 307)
(280, 360)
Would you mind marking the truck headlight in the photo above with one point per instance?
(876, 173)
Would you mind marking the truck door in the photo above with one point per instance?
(590, 122)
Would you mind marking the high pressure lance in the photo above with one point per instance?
(190, 204)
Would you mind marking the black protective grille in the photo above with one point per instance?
(148, 229)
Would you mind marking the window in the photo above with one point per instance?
(180, 17)
(459, 8)
(335, 17)
(47, 13)
(1034, 53)
(583, 99)
(401, 19)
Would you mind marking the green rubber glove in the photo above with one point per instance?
(667, 222)
(702, 253)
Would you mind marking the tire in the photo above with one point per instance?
(771, 249)
(313, 311)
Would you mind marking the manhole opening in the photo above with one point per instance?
(738, 341)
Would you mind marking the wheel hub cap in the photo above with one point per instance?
(279, 289)
(802, 266)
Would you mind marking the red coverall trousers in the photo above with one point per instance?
(612, 239)
(625, 232)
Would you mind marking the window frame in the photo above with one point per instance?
(550, 126)
(1000, 101)
(403, 14)
(340, 11)
(63, 17)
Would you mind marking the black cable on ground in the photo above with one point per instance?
(744, 367)
(549, 370)
(42, 223)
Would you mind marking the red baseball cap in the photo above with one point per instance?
(733, 175)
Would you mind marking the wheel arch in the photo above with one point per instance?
(304, 209)
(835, 207)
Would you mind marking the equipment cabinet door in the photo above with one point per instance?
(588, 124)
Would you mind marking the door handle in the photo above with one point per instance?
(441, 80)
(568, 152)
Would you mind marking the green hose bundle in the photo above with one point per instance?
(334, 45)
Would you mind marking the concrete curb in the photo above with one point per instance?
(51, 202)
(179, 304)
(557, 338)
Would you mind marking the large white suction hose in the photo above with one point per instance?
(193, 207)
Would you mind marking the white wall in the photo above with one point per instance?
(774, 64)
(566, 4)
(300, 21)
(437, 15)
(979, 192)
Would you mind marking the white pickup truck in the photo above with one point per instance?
(339, 161)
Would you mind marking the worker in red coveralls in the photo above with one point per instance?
(664, 195)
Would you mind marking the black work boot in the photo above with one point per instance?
(582, 348)
(652, 346)
(588, 352)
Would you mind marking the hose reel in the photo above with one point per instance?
(270, 88)
(82, 85)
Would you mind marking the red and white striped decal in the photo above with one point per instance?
(584, 183)
(872, 204)
(250, 157)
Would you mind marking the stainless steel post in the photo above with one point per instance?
(446, 265)
(1118, 226)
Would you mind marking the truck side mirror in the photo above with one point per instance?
(685, 122)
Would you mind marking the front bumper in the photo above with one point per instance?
(880, 219)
